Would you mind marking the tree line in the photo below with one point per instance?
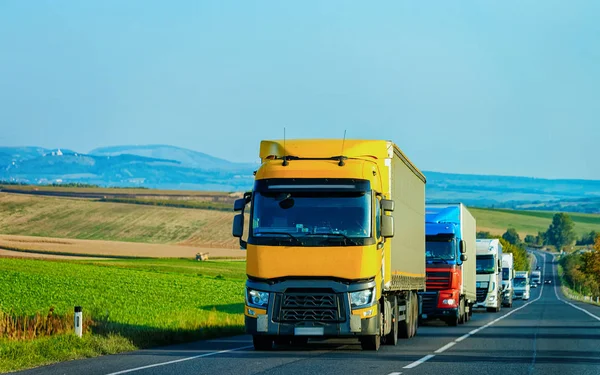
(560, 234)
(582, 270)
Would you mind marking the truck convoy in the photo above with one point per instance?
(489, 275)
(521, 285)
(536, 277)
(335, 244)
(508, 273)
(450, 255)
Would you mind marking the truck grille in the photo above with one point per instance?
(481, 293)
(293, 307)
(309, 315)
(438, 280)
(429, 302)
(307, 301)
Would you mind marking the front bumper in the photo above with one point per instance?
(312, 308)
(487, 303)
(263, 325)
(521, 294)
(430, 310)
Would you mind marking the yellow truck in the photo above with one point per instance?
(335, 244)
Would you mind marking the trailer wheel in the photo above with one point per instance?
(469, 313)
(262, 342)
(415, 314)
(392, 337)
(405, 327)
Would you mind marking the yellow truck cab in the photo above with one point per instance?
(335, 244)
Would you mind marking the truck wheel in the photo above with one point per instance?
(405, 327)
(452, 322)
(262, 342)
(370, 342)
(461, 312)
(416, 314)
(392, 337)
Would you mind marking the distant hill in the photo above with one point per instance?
(187, 158)
(169, 167)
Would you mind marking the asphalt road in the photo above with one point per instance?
(545, 335)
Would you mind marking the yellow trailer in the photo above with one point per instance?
(336, 242)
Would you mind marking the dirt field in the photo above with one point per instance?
(83, 219)
(57, 246)
(20, 254)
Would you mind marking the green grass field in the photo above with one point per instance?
(133, 303)
(528, 222)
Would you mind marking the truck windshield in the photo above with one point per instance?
(439, 249)
(520, 282)
(505, 274)
(312, 214)
(485, 264)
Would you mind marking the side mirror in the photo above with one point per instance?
(387, 205)
(463, 257)
(387, 226)
(462, 246)
(239, 204)
(238, 229)
(238, 225)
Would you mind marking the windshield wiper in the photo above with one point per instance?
(339, 235)
(436, 258)
(291, 236)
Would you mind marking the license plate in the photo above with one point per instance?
(309, 331)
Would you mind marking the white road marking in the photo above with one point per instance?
(395, 373)
(489, 324)
(445, 347)
(416, 363)
(179, 360)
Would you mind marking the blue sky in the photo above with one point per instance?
(464, 87)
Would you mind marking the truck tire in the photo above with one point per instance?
(406, 327)
(416, 315)
(461, 312)
(370, 342)
(392, 337)
(452, 322)
(262, 343)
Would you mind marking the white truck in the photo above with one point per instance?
(536, 277)
(489, 274)
(521, 285)
(508, 274)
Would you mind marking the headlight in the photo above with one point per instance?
(362, 298)
(492, 298)
(257, 298)
(449, 301)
